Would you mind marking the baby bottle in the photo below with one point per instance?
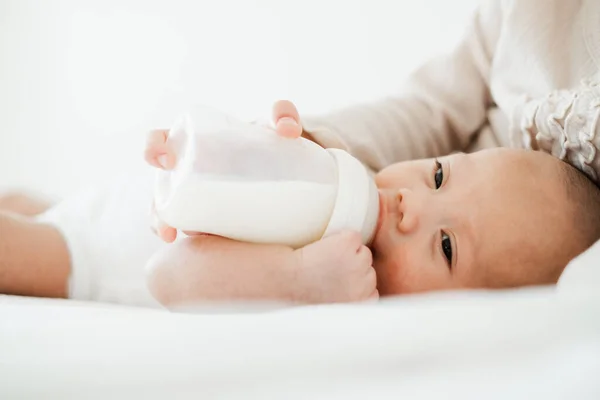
(243, 181)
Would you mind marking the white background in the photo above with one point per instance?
(81, 81)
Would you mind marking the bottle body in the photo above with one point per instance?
(277, 212)
(246, 183)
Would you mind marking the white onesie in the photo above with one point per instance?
(107, 230)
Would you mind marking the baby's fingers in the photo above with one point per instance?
(158, 152)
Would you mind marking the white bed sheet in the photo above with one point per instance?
(531, 343)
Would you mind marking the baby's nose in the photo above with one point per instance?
(409, 211)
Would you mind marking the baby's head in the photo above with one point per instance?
(494, 219)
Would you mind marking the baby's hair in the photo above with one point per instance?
(584, 196)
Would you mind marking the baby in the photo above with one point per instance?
(493, 219)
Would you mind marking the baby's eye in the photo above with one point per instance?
(447, 248)
(438, 174)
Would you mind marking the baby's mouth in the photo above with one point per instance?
(388, 216)
(383, 211)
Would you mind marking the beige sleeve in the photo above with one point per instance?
(566, 124)
(440, 108)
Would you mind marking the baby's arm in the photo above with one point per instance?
(209, 268)
(203, 268)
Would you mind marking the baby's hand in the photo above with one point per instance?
(338, 268)
(335, 269)
(159, 154)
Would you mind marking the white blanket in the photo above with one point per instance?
(541, 343)
(533, 343)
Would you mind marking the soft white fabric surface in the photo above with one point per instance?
(583, 272)
(107, 231)
(533, 343)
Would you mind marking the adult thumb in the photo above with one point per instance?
(286, 119)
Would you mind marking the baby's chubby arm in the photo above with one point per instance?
(210, 268)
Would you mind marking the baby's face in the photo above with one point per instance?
(468, 221)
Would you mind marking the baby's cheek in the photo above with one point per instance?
(385, 178)
(397, 272)
(380, 178)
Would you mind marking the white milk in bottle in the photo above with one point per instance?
(244, 182)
